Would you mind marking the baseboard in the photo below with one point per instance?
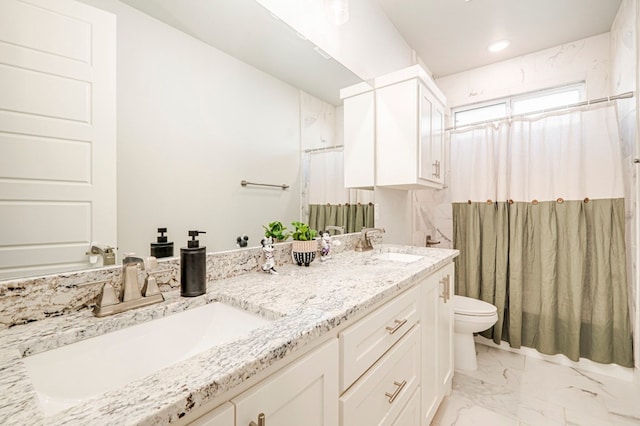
(611, 370)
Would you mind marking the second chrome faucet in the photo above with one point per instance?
(364, 243)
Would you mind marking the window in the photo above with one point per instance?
(522, 104)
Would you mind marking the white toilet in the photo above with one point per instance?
(470, 316)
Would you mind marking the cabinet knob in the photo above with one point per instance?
(261, 421)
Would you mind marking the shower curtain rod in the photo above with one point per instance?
(326, 148)
(625, 95)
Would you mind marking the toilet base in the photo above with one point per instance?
(464, 350)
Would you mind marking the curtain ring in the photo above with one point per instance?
(510, 201)
(534, 202)
(586, 200)
(560, 200)
(489, 202)
(469, 202)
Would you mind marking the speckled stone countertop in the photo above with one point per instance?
(304, 304)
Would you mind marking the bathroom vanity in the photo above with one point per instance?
(365, 337)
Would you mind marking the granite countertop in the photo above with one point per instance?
(303, 304)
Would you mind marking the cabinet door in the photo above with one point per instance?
(437, 143)
(429, 323)
(445, 330)
(427, 168)
(431, 148)
(304, 393)
(359, 141)
(397, 134)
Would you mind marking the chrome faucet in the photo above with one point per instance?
(130, 288)
(364, 243)
(107, 253)
(334, 228)
(132, 297)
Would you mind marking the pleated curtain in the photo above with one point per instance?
(353, 217)
(539, 219)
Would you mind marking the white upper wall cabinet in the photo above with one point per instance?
(409, 130)
(394, 132)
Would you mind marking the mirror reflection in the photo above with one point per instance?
(168, 135)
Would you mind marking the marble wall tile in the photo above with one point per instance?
(624, 51)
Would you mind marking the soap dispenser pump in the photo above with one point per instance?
(193, 267)
(162, 248)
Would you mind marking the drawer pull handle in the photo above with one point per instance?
(446, 291)
(392, 397)
(399, 324)
(261, 421)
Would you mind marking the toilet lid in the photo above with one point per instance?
(468, 306)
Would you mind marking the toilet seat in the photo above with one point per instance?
(472, 307)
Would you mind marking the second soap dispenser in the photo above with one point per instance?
(162, 248)
(193, 267)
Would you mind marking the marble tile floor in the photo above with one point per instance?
(511, 389)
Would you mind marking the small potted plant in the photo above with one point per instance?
(305, 245)
(276, 230)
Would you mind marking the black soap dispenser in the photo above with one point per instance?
(193, 267)
(162, 248)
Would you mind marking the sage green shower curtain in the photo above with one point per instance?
(353, 217)
(539, 219)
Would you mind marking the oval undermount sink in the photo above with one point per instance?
(66, 376)
(397, 257)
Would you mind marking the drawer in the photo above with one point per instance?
(379, 397)
(410, 414)
(365, 342)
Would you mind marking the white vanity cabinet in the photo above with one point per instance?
(437, 340)
(392, 367)
(409, 130)
(303, 393)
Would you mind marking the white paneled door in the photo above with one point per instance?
(57, 134)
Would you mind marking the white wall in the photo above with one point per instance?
(192, 123)
(584, 60)
(623, 79)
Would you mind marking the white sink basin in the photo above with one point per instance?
(68, 375)
(397, 257)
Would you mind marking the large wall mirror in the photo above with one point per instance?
(207, 94)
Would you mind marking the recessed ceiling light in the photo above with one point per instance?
(499, 45)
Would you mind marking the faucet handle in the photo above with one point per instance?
(150, 263)
(108, 296)
(131, 258)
